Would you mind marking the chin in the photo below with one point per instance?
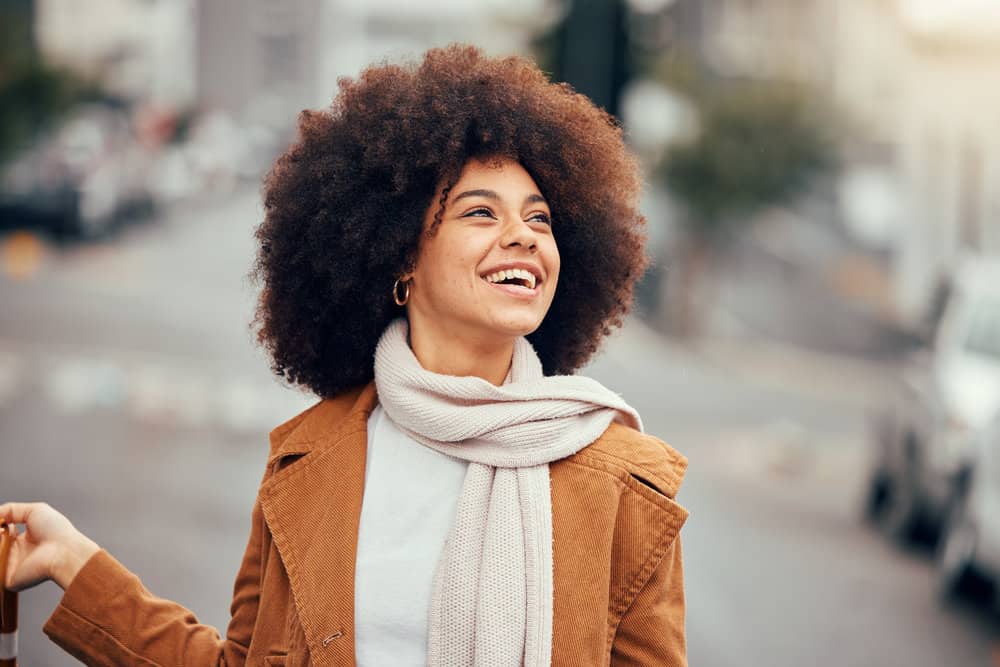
(517, 326)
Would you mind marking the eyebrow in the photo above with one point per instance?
(490, 194)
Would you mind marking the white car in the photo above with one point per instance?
(950, 391)
(969, 550)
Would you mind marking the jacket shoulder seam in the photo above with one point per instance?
(614, 472)
(666, 485)
(619, 474)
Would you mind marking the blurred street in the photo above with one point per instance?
(133, 399)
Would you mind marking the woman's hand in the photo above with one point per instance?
(49, 548)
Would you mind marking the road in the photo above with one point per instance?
(133, 399)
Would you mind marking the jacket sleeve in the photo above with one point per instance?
(652, 630)
(107, 617)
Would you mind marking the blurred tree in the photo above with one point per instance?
(759, 143)
(33, 94)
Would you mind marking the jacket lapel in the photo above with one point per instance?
(312, 506)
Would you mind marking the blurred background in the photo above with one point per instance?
(819, 330)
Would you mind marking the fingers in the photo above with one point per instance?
(19, 512)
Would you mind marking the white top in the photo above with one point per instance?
(410, 497)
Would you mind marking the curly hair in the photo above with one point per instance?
(345, 207)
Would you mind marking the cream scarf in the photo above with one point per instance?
(491, 602)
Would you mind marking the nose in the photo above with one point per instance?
(518, 233)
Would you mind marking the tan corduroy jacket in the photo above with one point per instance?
(619, 593)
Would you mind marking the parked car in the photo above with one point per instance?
(968, 556)
(949, 390)
(216, 154)
(79, 179)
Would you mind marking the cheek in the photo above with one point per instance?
(449, 266)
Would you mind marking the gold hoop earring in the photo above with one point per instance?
(401, 301)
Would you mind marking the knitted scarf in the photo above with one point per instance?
(491, 602)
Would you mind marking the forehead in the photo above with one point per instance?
(503, 176)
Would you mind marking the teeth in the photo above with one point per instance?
(509, 274)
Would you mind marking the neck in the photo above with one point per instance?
(461, 356)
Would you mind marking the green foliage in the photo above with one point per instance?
(759, 144)
(33, 94)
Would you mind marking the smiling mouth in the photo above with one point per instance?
(518, 277)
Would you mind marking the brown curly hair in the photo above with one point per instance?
(345, 205)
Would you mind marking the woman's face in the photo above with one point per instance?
(495, 224)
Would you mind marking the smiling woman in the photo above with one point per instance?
(373, 177)
(442, 248)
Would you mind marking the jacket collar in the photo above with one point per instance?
(312, 506)
(319, 425)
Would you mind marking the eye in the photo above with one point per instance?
(543, 217)
(476, 211)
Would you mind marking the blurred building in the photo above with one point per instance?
(270, 60)
(257, 58)
(916, 85)
(922, 80)
(138, 49)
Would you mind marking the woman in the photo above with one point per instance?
(441, 248)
